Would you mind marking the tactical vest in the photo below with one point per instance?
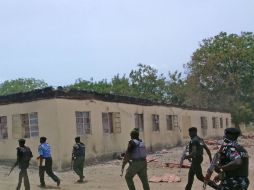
(243, 170)
(139, 152)
(25, 156)
(80, 151)
(199, 143)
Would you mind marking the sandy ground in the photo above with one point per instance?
(106, 176)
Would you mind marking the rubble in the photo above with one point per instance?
(167, 177)
(186, 164)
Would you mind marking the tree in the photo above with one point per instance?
(121, 85)
(145, 83)
(101, 86)
(176, 89)
(21, 85)
(221, 72)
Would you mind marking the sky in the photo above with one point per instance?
(60, 41)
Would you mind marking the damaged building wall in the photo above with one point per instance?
(105, 124)
(47, 125)
(100, 144)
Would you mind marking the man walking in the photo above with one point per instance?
(196, 147)
(136, 156)
(233, 165)
(24, 155)
(78, 157)
(44, 151)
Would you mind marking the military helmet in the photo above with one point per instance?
(233, 131)
(134, 133)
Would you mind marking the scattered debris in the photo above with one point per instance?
(151, 159)
(186, 164)
(167, 177)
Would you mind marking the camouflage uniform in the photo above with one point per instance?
(24, 155)
(78, 155)
(236, 179)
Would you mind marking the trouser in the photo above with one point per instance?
(234, 183)
(23, 175)
(196, 169)
(78, 166)
(49, 171)
(139, 168)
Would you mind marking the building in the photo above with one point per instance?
(103, 121)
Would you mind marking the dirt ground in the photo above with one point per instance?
(106, 176)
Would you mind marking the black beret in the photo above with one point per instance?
(233, 131)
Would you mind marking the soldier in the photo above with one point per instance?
(233, 167)
(24, 155)
(78, 157)
(44, 151)
(136, 156)
(196, 147)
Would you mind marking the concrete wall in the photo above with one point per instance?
(47, 114)
(57, 122)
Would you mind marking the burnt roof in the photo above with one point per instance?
(51, 93)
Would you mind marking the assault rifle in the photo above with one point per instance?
(12, 168)
(186, 150)
(71, 163)
(213, 164)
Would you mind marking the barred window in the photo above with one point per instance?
(83, 124)
(221, 122)
(204, 124)
(3, 127)
(172, 121)
(25, 125)
(155, 122)
(111, 122)
(139, 122)
(227, 123)
(215, 122)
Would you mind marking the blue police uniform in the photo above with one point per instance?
(44, 151)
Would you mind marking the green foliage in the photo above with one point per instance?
(101, 86)
(21, 85)
(221, 74)
(242, 112)
(176, 89)
(146, 83)
(121, 85)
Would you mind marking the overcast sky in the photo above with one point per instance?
(62, 40)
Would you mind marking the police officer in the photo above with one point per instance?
(233, 164)
(24, 155)
(196, 147)
(78, 157)
(44, 151)
(136, 156)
